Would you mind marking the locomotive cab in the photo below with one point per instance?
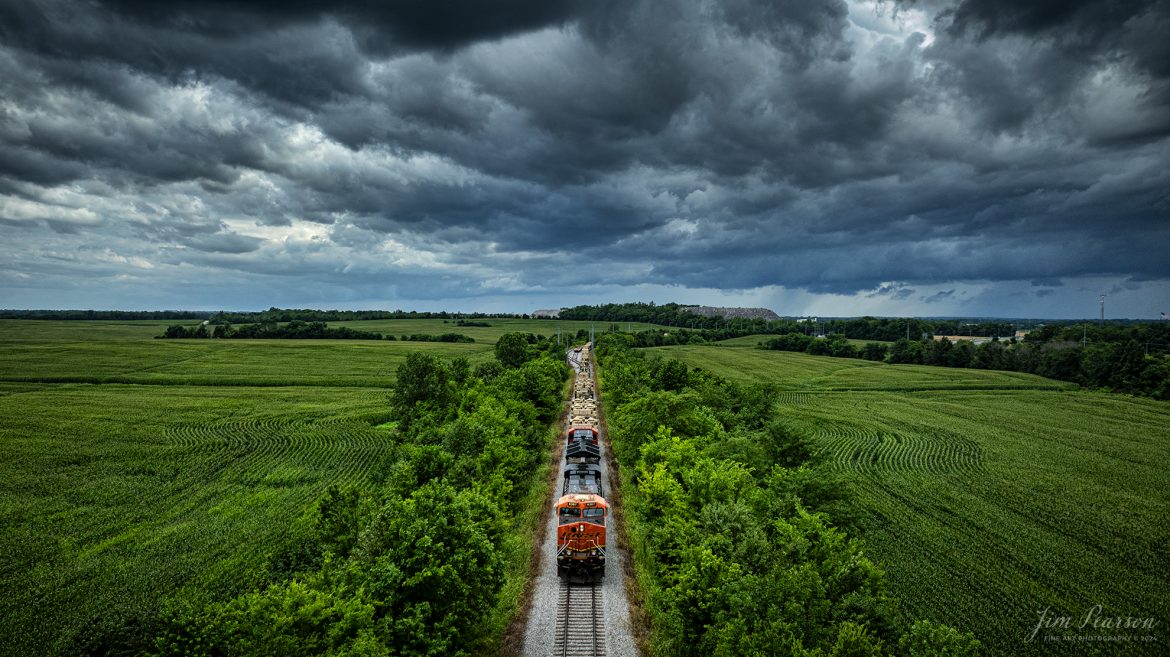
(583, 434)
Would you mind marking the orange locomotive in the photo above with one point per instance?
(581, 536)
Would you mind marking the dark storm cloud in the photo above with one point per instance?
(224, 243)
(389, 26)
(27, 164)
(1085, 20)
(893, 290)
(940, 296)
(277, 47)
(1020, 60)
(642, 88)
(292, 64)
(736, 145)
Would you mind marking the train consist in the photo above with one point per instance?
(582, 510)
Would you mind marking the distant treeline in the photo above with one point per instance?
(881, 329)
(861, 328)
(241, 317)
(1114, 360)
(297, 330)
(309, 315)
(102, 314)
(1130, 358)
(669, 314)
(442, 337)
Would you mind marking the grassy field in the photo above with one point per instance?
(753, 340)
(989, 496)
(125, 352)
(795, 371)
(22, 330)
(184, 470)
(219, 362)
(490, 334)
(113, 494)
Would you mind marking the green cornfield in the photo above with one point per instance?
(989, 496)
(133, 470)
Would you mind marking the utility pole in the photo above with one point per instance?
(1102, 309)
(591, 326)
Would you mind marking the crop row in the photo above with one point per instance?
(101, 484)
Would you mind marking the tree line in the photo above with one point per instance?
(297, 330)
(1124, 357)
(1123, 365)
(102, 314)
(722, 328)
(413, 563)
(311, 315)
(881, 329)
(239, 317)
(742, 543)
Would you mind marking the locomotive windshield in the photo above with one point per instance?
(595, 516)
(591, 515)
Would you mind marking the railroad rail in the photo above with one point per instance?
(580, 630)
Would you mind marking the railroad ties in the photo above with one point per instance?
(580, 630)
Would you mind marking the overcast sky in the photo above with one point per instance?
(929, 157)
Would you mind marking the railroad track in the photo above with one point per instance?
(580, 628)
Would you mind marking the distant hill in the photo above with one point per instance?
(729, 313)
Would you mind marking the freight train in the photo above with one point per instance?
(581, 510)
